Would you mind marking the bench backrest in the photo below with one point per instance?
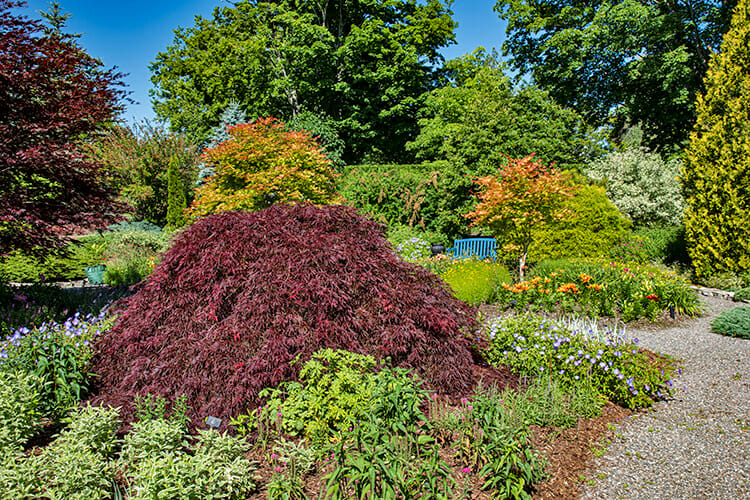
(482, 248)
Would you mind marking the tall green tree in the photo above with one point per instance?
(621, 63)
(362, 63)
(478, 118)
(716, 179)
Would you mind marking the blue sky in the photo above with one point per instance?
(130, 34)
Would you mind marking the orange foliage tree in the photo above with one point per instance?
(522, 196)
(262, 163)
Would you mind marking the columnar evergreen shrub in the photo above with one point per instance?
(176, 203)
(240, 295)
(715, 179)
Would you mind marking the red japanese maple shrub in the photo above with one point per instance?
(241, 295)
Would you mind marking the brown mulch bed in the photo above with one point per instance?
(567, 452)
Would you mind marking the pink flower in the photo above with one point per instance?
(277, 469)
(466, 470)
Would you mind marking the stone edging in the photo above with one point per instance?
(714, 292)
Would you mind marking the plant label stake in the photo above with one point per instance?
(213, 422)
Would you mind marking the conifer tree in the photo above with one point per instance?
(716, 178)
(176, 203)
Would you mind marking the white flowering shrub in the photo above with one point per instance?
(642, 185)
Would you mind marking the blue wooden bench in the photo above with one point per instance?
(481, 248)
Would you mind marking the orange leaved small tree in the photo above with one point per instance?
(522, 196)
(262, 163)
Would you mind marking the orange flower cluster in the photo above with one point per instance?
(585, 278)
(594, 286)
(568, 288)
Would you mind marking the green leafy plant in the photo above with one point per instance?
(58, 355)
(475, 281)
(213, 468)
(376, 462)
(291, 462)
(20, 396)
(130, 256)
(742, 294)
(733, 323)
(593, 226)
(78, 464)
(159, 457)
(334, 392)
(665, 244)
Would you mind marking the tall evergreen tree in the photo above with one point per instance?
(716, 179)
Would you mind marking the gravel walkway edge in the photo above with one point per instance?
(696, 445)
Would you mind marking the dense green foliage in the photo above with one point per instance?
(136, 161)
(130, 253)
(20, 395)
(475, 281)
(642, 185)
(733, 323)
(158, 459)
(130, 256)
(634, 61)
(58, 355)
(361, 66)
(176, 203)
(262, 164)
(715, 180)
(478, 118)
(417, 196)
(594, 226)
(665, 244)
(742, 294)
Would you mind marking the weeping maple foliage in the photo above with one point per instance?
(240, 295)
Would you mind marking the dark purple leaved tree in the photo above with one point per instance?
(52, 95)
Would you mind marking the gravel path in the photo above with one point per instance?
(697, 445)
